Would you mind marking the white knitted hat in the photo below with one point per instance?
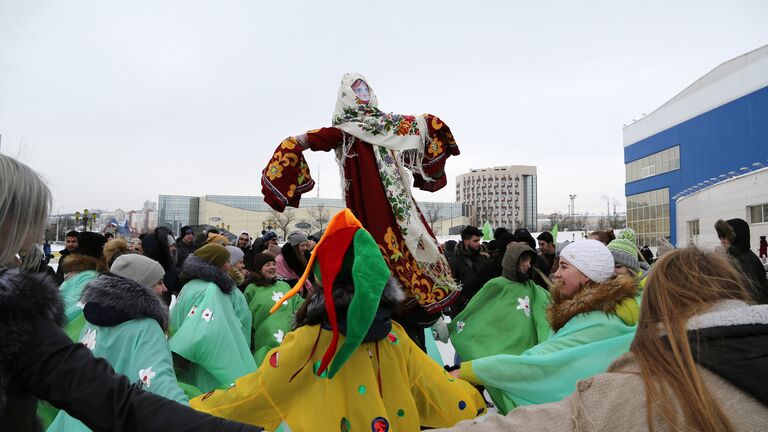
(590, 257)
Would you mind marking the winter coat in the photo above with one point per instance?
(183, 251)
(588, 337)
(84, 270)
(125, 326)
(63, 254)
(387, 384)
(211, 328)
(270, 329)
(737, 231)
(731, 341)
(37, 360)
(465, 263)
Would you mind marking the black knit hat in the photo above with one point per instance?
(522, 235)
(259, 260)
(91, 244)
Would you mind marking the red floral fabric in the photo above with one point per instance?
(287, 176)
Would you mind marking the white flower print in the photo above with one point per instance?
(276, 296)
(145, 377)
(80, 304)
(459, 326)
(192, 311)
(524, 304)
(89, 339)
(279, 336)
(207, 314)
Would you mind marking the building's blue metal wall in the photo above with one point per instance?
(724, 139)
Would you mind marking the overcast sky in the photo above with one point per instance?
(117, 102)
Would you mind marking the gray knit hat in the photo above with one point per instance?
(296, 238)
(591, 258)
(235, 254)
(138, 268)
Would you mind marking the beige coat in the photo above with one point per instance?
(615, 401)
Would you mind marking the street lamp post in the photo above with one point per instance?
(58, 220)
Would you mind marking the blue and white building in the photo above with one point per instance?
(714, 130)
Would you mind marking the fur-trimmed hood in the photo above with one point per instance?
(735, 230)
(77, 262)
(604, 297)
(23, 298)
(198, 268)
(123, 298)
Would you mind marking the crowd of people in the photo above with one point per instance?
(185, 331)
(304, 336)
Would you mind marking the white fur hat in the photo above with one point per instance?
(591, 258)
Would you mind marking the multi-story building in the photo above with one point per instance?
(252, 214)
(714, 130)
(504, 196)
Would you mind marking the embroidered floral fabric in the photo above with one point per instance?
(378, 198)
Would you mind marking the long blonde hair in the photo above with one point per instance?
(683, 283)
(25, 202)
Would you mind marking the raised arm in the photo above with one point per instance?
(287, 175)
(67, 375)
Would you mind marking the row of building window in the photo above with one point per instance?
(648, 215)
(655, 164)
(758, 213)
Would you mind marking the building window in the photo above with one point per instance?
(758, 213)
(655, 164)
(648, 215)
(693, 231)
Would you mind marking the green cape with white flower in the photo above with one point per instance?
(270, 329)
(136, 347)
(504, 317)
(211, 328)
(589, 335)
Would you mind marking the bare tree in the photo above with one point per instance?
(283, 220)
(319, 217)
(603, 223)
(432, 213)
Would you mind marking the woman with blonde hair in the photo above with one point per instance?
(699, 360)
(37, 360)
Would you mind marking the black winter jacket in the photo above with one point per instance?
(38, 360)
(747, 261)
(465, 263)
(183, 250)
(732, 342)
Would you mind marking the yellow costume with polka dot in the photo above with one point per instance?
(415, 391)
(378, 381)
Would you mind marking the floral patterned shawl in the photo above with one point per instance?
(364, 120)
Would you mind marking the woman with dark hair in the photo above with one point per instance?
(698, 360)
(291, 262)
(263, 290)
(157, 246)
(37, 360)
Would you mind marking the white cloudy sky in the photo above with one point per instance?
(115, 102)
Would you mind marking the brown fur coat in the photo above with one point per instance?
(594, 296)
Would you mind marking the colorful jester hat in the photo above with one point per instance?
(369, 275)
